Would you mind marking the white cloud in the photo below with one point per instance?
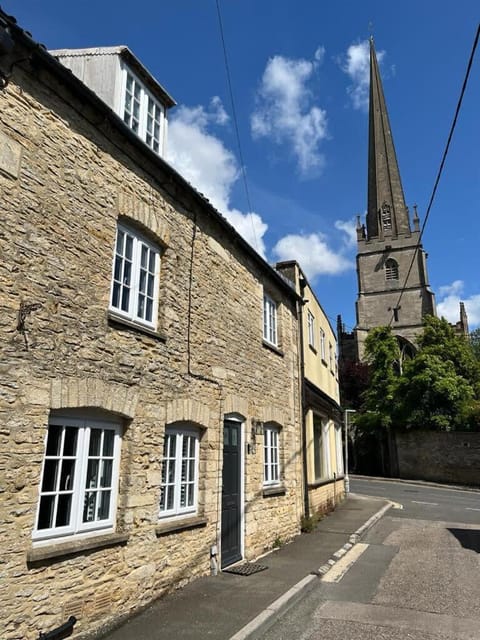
(313, 254)
(319, 54)
(356, 64)
(285, 114)
(349, 228)
(205, 161)
(449, 304)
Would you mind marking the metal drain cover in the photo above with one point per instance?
(245, 569)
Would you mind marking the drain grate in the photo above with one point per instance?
(245, 569)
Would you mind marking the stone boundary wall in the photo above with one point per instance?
(451, 457)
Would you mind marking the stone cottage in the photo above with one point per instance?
(150, 421)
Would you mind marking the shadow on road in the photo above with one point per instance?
(468, 538)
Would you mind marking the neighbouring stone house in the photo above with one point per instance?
(150, 420)
(322, 417)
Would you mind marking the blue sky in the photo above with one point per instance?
(298, 71)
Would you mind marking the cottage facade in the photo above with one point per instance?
(150, 420)
(322, 418)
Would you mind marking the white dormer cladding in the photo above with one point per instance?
(126, 86)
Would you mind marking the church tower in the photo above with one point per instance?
(387, 244)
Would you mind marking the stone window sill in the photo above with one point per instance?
(276, 490)
(72, 547)
(118, 321)
(273, 348)
(324, 481)
(175, 526)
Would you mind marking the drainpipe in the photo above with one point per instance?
(306, 505)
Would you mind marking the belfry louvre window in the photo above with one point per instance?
(135, 279)
(78, 490)
(142, 113)
(179, 488)
(391, 269)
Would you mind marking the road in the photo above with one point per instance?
(415, 575)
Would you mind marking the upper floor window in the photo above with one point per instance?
(136, 269)
(179, 486)
(271, 473)
(78, 490)
(391, 269)
(323, 354)
(142, 113)
(331, 357)
(270, 333)
(311, 329)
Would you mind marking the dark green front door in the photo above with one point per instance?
(231, 493)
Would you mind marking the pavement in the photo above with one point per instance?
(236, 607)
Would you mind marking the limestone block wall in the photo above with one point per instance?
(66, 178)
(450, 457)
(324, 498)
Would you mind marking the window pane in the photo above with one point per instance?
(92, 474)
(95, 439)
(63, 510)
(106, 478)
(129, 247)
(125, 298)
(89, 506)
(104, 506)
(66, 479)
(50, 471)
(149, 310)
(53, 440)
(70, 441)
(170, 498)
(108, 440)
(191, 488)
(144, 257)
(45, 516)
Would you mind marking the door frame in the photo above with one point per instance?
(235, 417)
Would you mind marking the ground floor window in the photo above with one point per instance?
(321, 447)
(271, 458)
(79, 484)
(179, 487)
(339, 449)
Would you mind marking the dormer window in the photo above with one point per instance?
(142, 113)
(391, 269)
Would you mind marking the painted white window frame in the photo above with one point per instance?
(322, 345)
(179, 470)
(82, 462)
(271, 455)
(270, 320)
(311, 329)
(318, 455)
(140, 121)
(326, 448)
(130, 274)
(339, 449)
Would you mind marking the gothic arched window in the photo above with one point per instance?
(391, 269)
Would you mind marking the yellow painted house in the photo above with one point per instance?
(322, 416)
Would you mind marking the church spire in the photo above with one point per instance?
(387, 214)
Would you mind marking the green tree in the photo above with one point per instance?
(475, 343)
(382, 354)
(432, 395)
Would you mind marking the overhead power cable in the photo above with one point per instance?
(235, 121)
(440, 170)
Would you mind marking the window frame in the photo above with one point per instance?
(145, 100)
(270, 320)
(323, 337)
(177, 510)
(311, 329)
(76, 526)
(271, 455)
(139, 240)
(339, 450)
(391, 270)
